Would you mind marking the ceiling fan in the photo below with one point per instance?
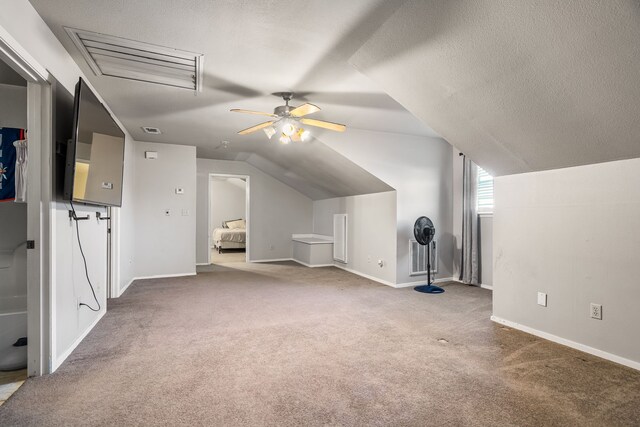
(287, 120)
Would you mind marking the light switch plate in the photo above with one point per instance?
(542, 299)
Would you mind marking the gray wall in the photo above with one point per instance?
(574, 234)
(13, 106)
(420, 169)
(164, 245)
(228, 200)
(277, 211)
(371, 231)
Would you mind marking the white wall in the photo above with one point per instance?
(164, 245)
(371, 231)
(575, 234)
(420, 169)
(13, 106)
(68, 323)
(277, 211)
(228, 200)
(485, 243)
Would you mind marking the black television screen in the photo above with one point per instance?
(95, 154)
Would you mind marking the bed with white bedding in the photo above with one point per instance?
(233, 237)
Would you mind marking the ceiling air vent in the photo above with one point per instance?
(129, 59)
(151, 130)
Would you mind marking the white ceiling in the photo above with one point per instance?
(252, 49)
(517, 85)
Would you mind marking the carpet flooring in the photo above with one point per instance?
(280, 344)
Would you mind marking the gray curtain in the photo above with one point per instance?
(469, 266)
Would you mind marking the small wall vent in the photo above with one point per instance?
(151, 130)
(418, 257)
(128, 59)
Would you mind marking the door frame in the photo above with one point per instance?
(247, 211)
(40, 262)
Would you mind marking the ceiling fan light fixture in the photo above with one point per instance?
(270, 131)
(285, 139)
(288, 128)
(304, 134)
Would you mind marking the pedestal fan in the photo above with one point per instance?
(424, 231)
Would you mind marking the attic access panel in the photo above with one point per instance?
(129, 59)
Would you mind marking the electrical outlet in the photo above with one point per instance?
(380, 263)
(542, 299)
(596, 311)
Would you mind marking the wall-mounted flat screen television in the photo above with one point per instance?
(95, 154)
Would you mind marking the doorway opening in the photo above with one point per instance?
(13, 229)
(26, 257)
(228, 219)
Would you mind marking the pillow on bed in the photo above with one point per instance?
(237, 223)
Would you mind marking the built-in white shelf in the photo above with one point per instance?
(313, 250)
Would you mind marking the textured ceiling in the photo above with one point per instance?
(252, 49)
(517, 85)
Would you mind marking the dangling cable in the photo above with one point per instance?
(86, 270)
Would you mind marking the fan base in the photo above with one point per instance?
(429, 289)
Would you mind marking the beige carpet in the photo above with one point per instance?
(281, 344)
(228, 256)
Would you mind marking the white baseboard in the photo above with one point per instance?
(311, 265)
(60, 359)
(490, 287)
(158, 276)
(366, 276)
(271, 260)
(559, 340)
(423, 282)
(203, 263)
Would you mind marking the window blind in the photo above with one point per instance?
(485, 191)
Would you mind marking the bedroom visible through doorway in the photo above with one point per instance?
(228, 218)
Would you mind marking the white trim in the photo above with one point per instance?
(203, 263)
(20, 60)
(311, 265)
(247, 211)
(60, 360)
(158, 276)
(423, 282)
(272, 260)
(559, 340)
(485, 214)
(483, 286)
(366, 276)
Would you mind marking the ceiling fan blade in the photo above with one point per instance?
(255, 128)
(304, 110)
(259, 113)
(322, 124)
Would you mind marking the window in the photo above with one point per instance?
(485, 191)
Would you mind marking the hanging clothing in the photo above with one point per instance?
(22, 159)
(8, 162)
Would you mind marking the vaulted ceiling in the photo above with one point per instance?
(519, 86)
(252, 49)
